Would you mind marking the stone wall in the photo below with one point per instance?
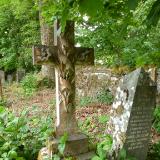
(92, 80)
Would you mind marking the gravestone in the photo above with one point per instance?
(131, 120)
(48, 71)
(1, 90)
(20, 74)
(64, 55)
(10, 78)
(2, 76)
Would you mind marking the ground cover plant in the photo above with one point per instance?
(35, 127)
(22, 136)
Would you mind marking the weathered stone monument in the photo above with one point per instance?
(64, 55)
(2, 76)
(1, 91)
(132, 110)
(20, 74)
(9, 78)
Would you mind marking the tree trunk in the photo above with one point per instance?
(46, 39)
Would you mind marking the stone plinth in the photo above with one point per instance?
(76, 146)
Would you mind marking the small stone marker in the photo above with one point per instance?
(20, 74)
(131, 119)
(1, 90)
(64, 55)
(2, 76)
(10, 78)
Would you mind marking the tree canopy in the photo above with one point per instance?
(123, 32)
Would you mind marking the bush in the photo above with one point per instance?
(84, 101)
(154, 152)
(21, 137)
(30, 84)
(105, 97)
(156, 123)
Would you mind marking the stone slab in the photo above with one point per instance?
(45, 154)
(86, 156)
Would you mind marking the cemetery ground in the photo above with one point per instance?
(31, 116)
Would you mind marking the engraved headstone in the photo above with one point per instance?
(2, 76)
(20, 74)
(130, 123)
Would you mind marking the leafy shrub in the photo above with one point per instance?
(30, 84)
(103, 147)
(84, 101)
(3, 102)
(21, 137)
(154, 152)
(156, 123)
(47, 82)
(105, 97)
(124, 156)
(103, 119)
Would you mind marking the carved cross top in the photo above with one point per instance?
(64, 55)
(49, 54)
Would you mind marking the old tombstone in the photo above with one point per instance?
(48, 71)
(1, 90)
(10, 78)
(2, 76)
(131, 119)
(64, 55)
(20, 74)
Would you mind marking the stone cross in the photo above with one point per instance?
(132, 110)
(64, 55)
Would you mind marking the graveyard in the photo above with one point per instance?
(79, 80)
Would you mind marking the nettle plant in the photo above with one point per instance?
(21, 137)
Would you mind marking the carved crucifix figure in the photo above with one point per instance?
(64, 55)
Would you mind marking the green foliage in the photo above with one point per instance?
(154, 14)
(62, 143)
(123, 155)
(30, 84)
(19, 31)
(61, 147)
(114, 28)
(105, 97)
(84, 101)
(90, 8)
(156, 123)
(103, 119)
(103, 148)
(154, 152)
(46, 82)
(21, 137)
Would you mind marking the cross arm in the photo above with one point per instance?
(44, 54)
(84, 56)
